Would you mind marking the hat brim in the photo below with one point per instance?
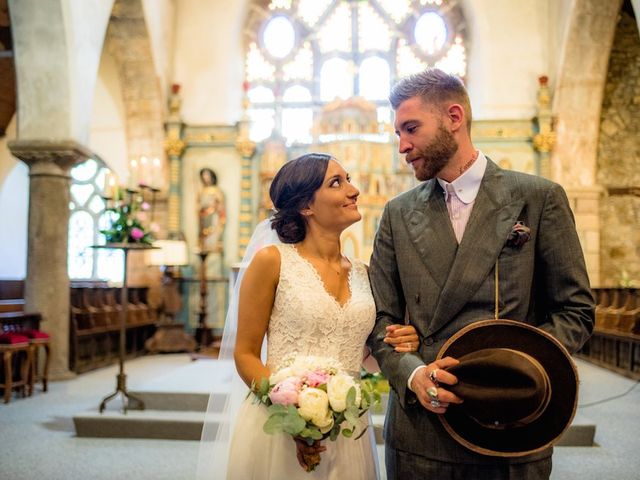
(563, 378)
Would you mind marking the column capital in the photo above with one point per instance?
(50, 157)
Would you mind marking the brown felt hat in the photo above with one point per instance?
(519, 386)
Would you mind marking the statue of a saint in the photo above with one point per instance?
(212, 213)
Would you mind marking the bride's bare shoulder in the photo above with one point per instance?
(266, 262)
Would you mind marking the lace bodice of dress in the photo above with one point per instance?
(307, 320)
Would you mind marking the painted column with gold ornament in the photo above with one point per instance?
(246, 148)
(174, 146)
(545, 139)
(47, 282)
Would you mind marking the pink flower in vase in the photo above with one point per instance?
(145, 206)
(136, 233)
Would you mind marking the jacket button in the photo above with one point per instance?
(428, 341)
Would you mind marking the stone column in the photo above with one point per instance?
(585, 203)
(577, 108)
(47, 282)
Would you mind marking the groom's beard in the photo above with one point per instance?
(435, 156)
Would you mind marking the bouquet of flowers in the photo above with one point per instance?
(312, 399)
(126, 219)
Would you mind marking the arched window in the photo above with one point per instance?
(307, 53)
(86, 219)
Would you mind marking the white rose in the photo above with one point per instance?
(324, 424)
(337, 390)
(313, 405)
(280, 375)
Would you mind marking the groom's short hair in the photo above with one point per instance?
(435, 87)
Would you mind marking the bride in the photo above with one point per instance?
(307, 299)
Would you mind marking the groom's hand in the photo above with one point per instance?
(422, 382)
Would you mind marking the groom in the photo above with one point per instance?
(435, 258)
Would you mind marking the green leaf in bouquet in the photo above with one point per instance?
(347, 432)
(351, 415)
(311, 432)
(293, 423)
(365, 403)
(274, 424)
(263, 387)
(351, 397)
(277, 409)
(335, 431)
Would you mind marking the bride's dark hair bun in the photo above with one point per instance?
(292, 190)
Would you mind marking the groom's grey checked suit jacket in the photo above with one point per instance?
(417, 267)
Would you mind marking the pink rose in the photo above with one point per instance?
(136, 233)
(314, 379)
(286, 391)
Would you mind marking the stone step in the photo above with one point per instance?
(175, 404)
(187, 425)
(179, 401)
(581, 433)
(156, 424)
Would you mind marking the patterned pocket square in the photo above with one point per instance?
(519, 235)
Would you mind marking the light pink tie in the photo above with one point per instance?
(458, 212)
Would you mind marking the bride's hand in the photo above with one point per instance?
(403, 337)
(305, 453)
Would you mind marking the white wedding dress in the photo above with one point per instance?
(307, 320)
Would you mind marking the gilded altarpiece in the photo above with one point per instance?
(349, 131)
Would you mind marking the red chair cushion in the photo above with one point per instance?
(32, 333)
(12, 338)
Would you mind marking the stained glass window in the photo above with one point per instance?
(304, 54)
(86, 219)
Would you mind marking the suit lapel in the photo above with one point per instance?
(430, 230)
(494, 214)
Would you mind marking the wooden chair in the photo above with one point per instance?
(38, 340)
(630, 318)
(603, 303)
(612, 314)
(12, 345)
(82, 339)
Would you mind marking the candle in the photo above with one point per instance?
(114, 190)
(144, 171)
(134, 173)
(156, 174)
(110, 185)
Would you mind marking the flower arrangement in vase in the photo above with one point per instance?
(128, 212)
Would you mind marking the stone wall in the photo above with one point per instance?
(618, 163)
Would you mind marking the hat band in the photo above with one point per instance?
(542, 406)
